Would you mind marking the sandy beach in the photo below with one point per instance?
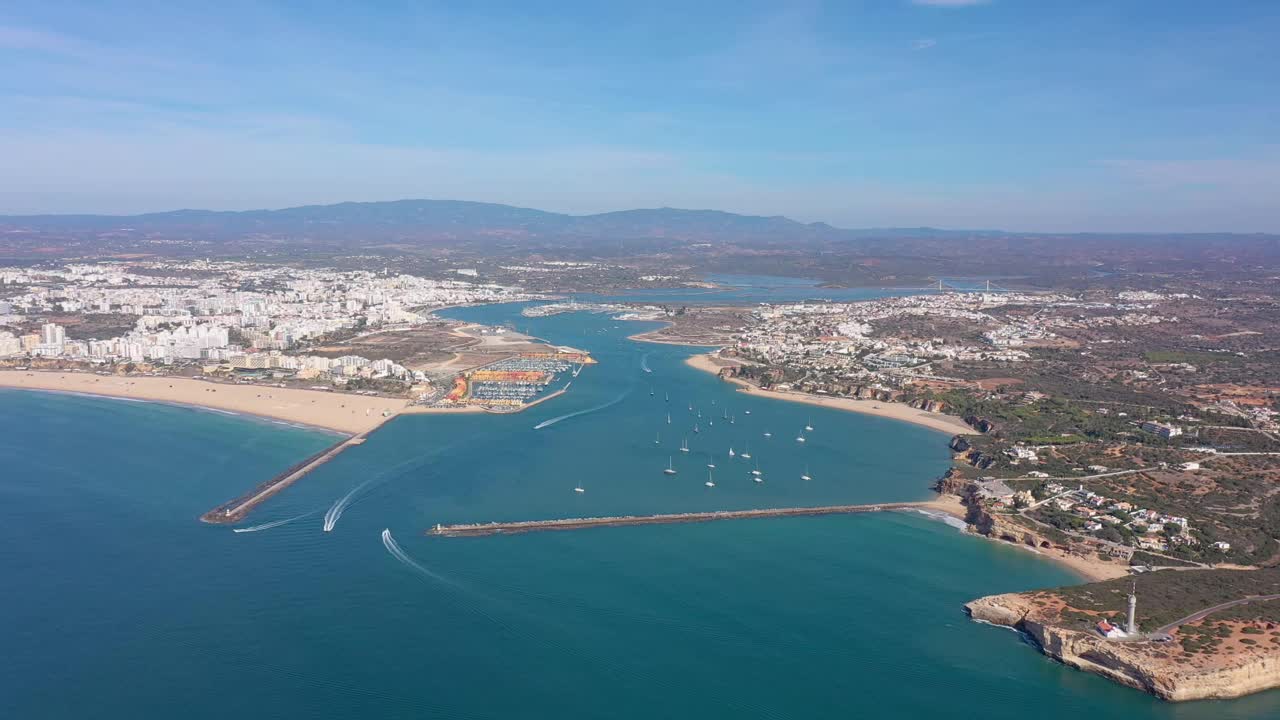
(1091, 569)
(339, 412)
(947, 504)
(896, 411)
(652, 337)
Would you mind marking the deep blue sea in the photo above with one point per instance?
(117, 603)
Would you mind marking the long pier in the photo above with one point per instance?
(236, 509)
(523, 526)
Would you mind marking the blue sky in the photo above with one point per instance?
(1016, 114)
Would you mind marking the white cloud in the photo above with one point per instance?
(924, 43)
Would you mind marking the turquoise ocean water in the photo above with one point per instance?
(117, 603)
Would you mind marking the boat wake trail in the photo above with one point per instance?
(644, 363)
(332, 514)
(398, 553)
(274, 523)
(554, 420)
(495, 610)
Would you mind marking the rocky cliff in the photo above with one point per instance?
(1153, 667)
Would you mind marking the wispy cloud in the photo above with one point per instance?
(924, 44)
(29, 39)
(950, 3)
(1260, 171)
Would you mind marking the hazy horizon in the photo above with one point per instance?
(1013, 231)
(1115, 117)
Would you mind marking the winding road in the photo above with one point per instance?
(1200, 615)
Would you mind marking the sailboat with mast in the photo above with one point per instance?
(684, 445)
(808, 424)
(671, 469)
(710, 482)
(746, 454)
(805, 476)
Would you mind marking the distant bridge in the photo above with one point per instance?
(943, 286)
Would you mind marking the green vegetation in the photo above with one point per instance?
(1266, 612)
(1048, 421)
(1169, 357)
(1054, 439)
(1168, 595)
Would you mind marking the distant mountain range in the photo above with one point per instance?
(454, 219)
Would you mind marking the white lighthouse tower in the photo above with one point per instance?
(1131, 626)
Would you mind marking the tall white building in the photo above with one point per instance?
(53, 335)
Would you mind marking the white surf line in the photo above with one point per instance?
(275, 523)
(944, 518)
(611, 403)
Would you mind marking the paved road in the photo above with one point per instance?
(1210, 610)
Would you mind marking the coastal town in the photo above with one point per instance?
(1164, 460)
(1131, 435)
(906, 359)
(1091, 467)
(360, 332)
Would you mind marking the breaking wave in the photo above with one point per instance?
(944, 518)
